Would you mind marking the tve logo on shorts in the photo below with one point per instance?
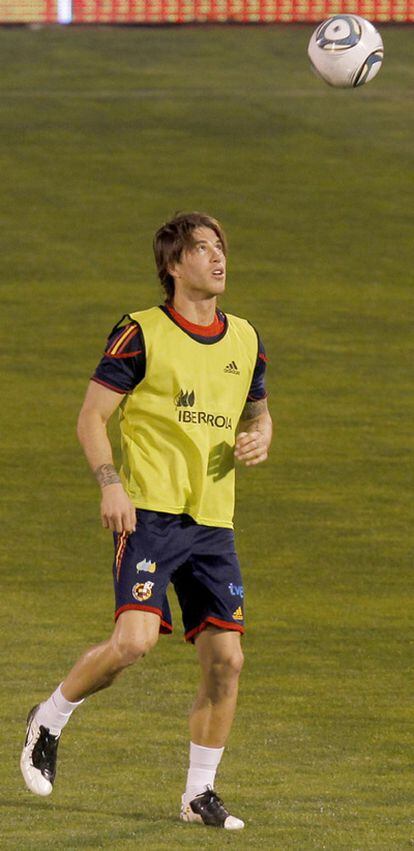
(236, 590)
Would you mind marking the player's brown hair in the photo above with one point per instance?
(173, 236)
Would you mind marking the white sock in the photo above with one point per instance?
(54, 713)
(203, 766)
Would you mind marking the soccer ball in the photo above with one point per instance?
(346, 51)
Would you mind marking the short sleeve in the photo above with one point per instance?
(122, 365)
(257, 388)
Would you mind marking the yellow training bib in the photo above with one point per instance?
(178, 426)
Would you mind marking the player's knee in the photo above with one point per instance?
(129, 648)
(228, 667)
(235, 662)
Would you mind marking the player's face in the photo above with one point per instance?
(202, 267)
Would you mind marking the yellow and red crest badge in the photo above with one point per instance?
(142, 591)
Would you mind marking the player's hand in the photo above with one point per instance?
(117, 510)
(251, 448)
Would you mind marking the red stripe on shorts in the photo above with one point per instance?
(236, 627)
(122, 542)
(164, 627)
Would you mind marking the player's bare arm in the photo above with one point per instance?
(117, 510)
(106, 475)
(254, 433)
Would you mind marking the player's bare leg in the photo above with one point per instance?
(134, 635)
(221, 661)
(211, 718)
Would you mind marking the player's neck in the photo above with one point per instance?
(198, 312)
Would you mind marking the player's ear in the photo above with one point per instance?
(172, 270)
(173, 267)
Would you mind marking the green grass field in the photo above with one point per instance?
(105, 133)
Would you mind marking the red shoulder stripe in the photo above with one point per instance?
(122, 340)
(118, 336)
(124, 355)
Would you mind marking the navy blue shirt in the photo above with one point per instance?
(122, 366)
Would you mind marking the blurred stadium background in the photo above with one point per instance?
(202, 11)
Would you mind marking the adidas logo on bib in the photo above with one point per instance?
(232, 368)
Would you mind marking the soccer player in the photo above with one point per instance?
(189, 384)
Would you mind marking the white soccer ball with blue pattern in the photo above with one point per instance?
(346, 51)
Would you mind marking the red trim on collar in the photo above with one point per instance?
(216, 327)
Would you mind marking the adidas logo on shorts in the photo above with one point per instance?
(238, 614)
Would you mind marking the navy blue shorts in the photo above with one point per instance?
(200, 561)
